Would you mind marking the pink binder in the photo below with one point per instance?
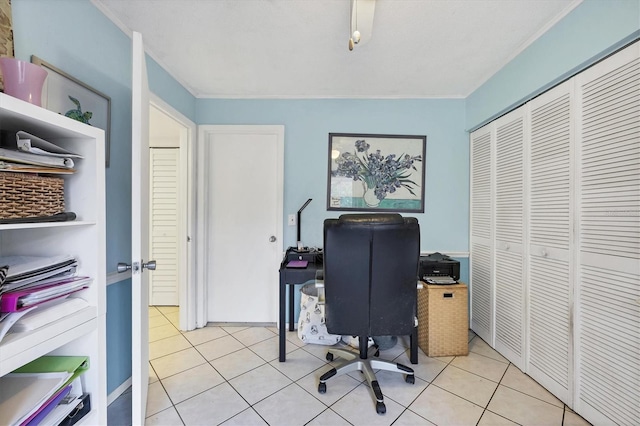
(16, 301)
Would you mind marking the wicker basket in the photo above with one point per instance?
(443, 320)
(27, 195)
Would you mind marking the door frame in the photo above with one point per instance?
(202, 249)
(187, 291)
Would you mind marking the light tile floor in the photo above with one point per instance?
(232, 376)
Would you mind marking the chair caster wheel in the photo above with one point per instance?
(322, 388)
(410, 378)
(377, 354)
(381, 408)
(329, 356)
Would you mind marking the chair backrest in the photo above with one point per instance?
(370, 274)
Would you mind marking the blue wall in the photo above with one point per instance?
(444, 225)
(590, 31)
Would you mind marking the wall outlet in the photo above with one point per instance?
(292, 220)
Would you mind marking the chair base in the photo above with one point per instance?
(366, 367)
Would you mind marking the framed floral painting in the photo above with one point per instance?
(376, 172)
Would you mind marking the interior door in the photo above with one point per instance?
(139, 232)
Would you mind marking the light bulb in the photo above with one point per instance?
(356, 37)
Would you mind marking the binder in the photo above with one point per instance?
(35, 159)
(16, 301)
(75, 365)
(37, 417)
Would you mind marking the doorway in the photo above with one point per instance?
(240, 183)
(170, 201)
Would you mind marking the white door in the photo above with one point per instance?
(243, 184)
(139, 233)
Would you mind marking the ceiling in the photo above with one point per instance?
(299, 48)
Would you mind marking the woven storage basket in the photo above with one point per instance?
(27, 195)
(443, 320)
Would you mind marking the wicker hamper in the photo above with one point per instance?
(443, 320)
(28, 195)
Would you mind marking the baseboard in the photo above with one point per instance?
(119, 391)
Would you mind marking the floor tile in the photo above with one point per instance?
(205, 334)
(174, 318)
(152, 374)
(328, 418)
(168, 417)
(157, 399)
(248, 417)
(162, 332)
(319, 351)
(270, 349)
(119, 411)
(168, 346)
(471, 335)
(299, 363)
(289, 406)
(175, 363)
(573, 419)
(252, 335)
(479, 346)
(524, 409)
(219, 347)
(426, 369)
(260, 383)
(444, 408)
(157, 321)
(481, 365)
(191, 382)
(394, 386)
(153, 312)
(168, 309)
(337, 386)
(212, 407)
(233, 328)
(516, 379)
(359, 408)
(467, 385)
(409, 418)
(237, 363)
(492, 419)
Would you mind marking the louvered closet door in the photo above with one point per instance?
(608, 297)
(481, 256)
(550, 235)
(509, 235)
(163, 283)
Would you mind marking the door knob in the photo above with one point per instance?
(150, 265)
(123, 267)
(272, 239)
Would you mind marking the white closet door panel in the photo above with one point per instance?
(481, 181)
(481, 292)
(550, 235)
(509, 235)
(481, 258)
(509, 309)
(610, 343)
(549, 324)
(608, 322)
(163, 283)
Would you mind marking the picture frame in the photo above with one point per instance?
(376, 173)
(66, 95)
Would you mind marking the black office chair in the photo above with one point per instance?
(370, 275)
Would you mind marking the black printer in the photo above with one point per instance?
(438, 265)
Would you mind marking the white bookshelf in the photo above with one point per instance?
(84, 332)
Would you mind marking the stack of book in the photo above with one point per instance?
(32, 282)
(22, 152)
(45, 391)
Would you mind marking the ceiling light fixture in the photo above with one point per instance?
(361, 21)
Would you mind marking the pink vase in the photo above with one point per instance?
(23, 80)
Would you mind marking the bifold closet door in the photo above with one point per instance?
(608, 296)
(550, 234)
(481, 257)
(510, 214)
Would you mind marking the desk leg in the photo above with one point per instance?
(291, 307)
(413, 355)
(282, 329)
